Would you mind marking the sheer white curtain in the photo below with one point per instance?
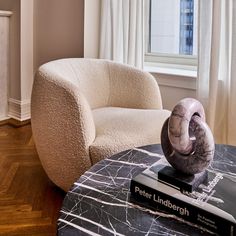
(121, 37)
(217, 67)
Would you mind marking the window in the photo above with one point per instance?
(171, 36)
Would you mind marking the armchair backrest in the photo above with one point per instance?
(89, 76)
(105, 83)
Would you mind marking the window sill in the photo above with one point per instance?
(170, 69)
(173, 76)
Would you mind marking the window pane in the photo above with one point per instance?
(173, 27)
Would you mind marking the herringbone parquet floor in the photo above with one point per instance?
(29, 202)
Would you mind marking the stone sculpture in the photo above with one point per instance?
(186, 139)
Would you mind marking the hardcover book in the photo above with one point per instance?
(211, 205)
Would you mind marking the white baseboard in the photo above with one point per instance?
(19, 110)
(4, 118)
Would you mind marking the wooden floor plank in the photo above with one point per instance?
(29, 201)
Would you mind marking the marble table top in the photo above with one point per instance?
(99, 204)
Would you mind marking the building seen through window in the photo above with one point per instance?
(172, 27)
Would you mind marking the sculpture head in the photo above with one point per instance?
(186, 139)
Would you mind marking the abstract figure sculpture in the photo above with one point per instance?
(186, 139)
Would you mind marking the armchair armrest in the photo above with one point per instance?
(63, 128)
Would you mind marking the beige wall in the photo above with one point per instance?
(4, 65)
(58, 29)
(58, 32)
(40, 31)
(171, 95)
(174, 88)
(14, 6)
(27, 52)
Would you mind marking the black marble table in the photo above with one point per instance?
(99, 202)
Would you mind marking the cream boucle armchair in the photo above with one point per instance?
(84, 110)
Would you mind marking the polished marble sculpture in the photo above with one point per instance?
(186, 139)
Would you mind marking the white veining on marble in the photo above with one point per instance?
(80, 228)
(129, 163)
(92, 222)
(98, 191)
(105, 202)
(148, 153)
(113, 229)
(100, 202)
(130, 205)
(225, 172)
(96, 181)
(104, 176)
(126, 205)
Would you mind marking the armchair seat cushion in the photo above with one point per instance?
(118, 129)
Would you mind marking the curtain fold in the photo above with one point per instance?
(122, 31)
(216, 86)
